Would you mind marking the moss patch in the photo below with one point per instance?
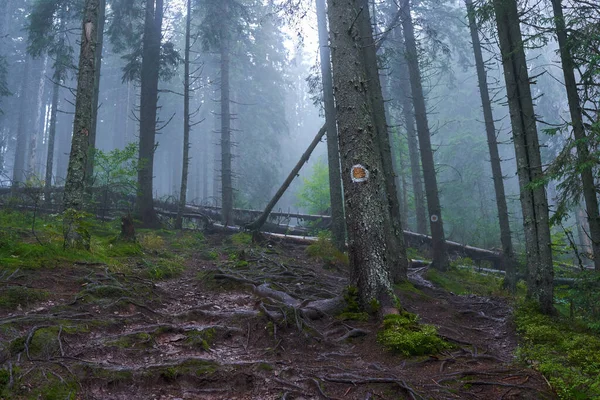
(353, 310)
(201, 339)
(466, 281)
(568, 355)
(403, 334)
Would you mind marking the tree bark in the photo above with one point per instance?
(395, 246)
(76, 174)
(529, 164)
(148, 100)
(509, 259)
(51, 139)
(226, 178)
(333, 155)
(411, 136)
(440, 256)
(37, 127)
(95, 102)
(587, 177)
(186, 119)
(367, 205)
(21, 148)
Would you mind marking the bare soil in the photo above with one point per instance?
(236, 328)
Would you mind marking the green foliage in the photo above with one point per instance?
(241, 238)
(115, 174)
(163, 268)
(466, 281)
(324, 249)
(403, 334)
(567, 355)
(461, 261)
(13, 296)
(313, 195)
(414, 254)
(582, 300)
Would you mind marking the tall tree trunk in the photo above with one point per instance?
(529, 163)
(76, 179)
(51, 138)
(438, 242)
(587, 177)
(333, 153)
(395, 237)
(367, 204)
(509, 259)
(226, 178)
(95, 102)
(186, 118)
(21, 148)
(148, 100)
(38, 126)
(404, 91)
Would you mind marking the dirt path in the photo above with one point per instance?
(218, 332)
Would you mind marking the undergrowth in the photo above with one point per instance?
(325, 250)
(28, 246)
(402, 333)
(466, 281)
(565, 352)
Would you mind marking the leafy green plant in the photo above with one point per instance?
(116, 175)
(314, 192)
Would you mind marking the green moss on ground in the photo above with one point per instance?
(402, 333)
(565, 352)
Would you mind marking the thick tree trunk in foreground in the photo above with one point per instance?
(76, 179)
(587, 177)
(186, 119)
(395, 240)
(440, 256)
(148, 100)
(362, 171)
(505, 236)
(527, 150)
(226, 178)
(338, 230)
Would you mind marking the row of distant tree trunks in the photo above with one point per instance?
(279, 222)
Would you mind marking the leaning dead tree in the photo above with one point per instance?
(256, 225)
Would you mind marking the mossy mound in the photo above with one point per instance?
(403, 334)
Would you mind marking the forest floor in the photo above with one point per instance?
(232, 325)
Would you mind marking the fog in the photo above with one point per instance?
(275, 106)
